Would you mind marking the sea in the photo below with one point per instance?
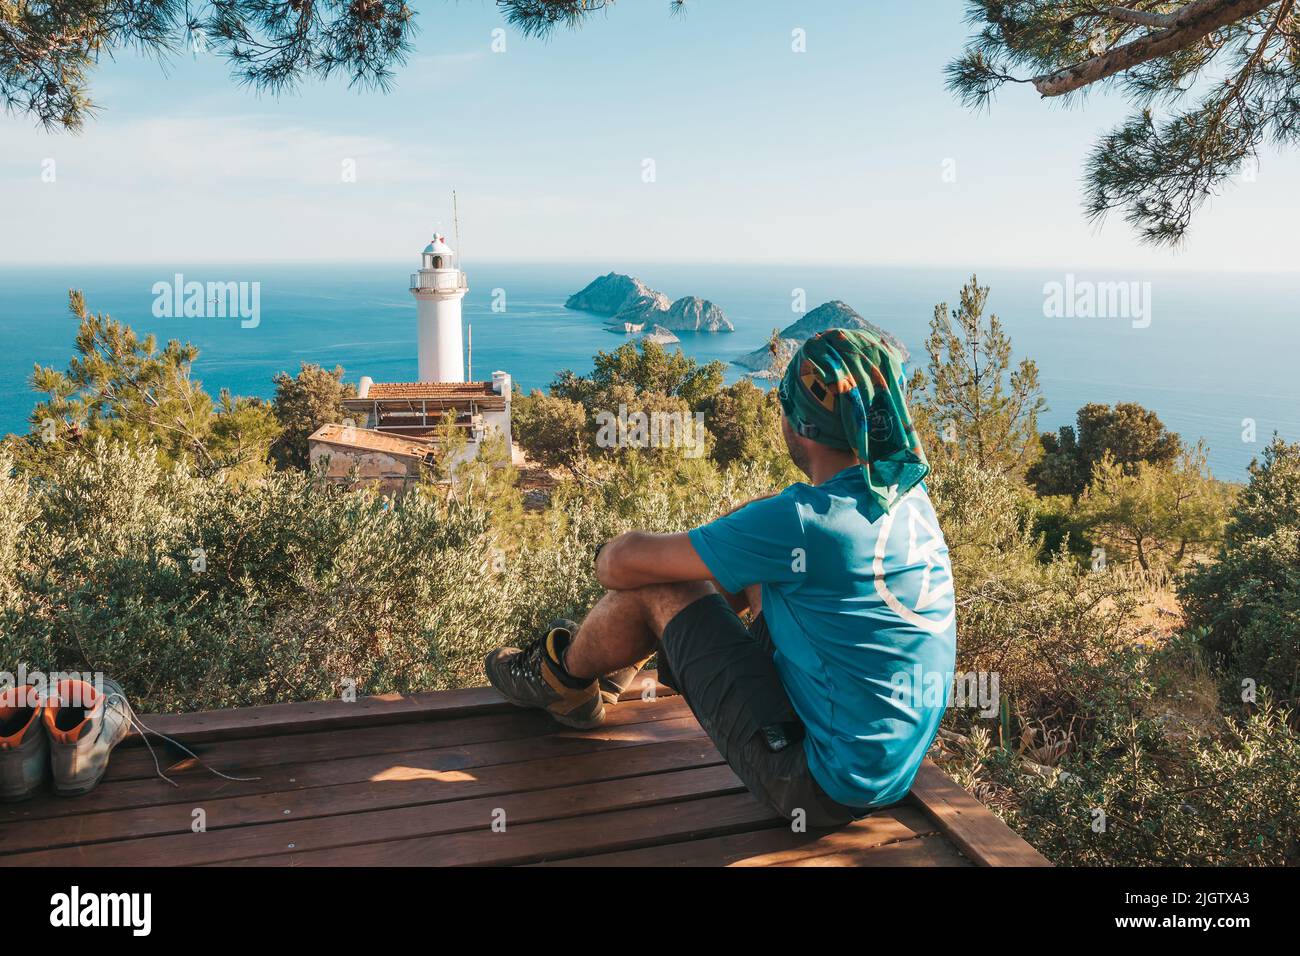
(1214, 354)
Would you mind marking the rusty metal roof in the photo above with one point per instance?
(417, 390)
(367, 439)
(436, 394)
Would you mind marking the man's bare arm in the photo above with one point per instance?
(638, 558)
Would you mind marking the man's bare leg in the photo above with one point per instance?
(624, 626)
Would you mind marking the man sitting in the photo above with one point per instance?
(825, 703)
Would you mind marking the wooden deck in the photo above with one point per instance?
(428, 779)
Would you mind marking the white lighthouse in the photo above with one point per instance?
(393, 430)
(438, 288)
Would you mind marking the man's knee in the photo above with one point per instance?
(663, 602)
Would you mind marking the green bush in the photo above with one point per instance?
(1134, 794)
(1246, 604)
(1041, 626)
(198, 593)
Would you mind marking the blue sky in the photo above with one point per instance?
(760, 153)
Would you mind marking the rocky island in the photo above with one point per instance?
(628, 303)
(830, 315)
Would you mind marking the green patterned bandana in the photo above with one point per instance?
(845, 389)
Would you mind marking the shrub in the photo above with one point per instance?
(198, 594)
(1042, 627)
(303, 403)
(1133, 794)
(1152, 514)
(1246, 604)
(1127, 433)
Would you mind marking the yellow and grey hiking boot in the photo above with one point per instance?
(24, 748)
(534, 677)
(84, 725)
(613, 685)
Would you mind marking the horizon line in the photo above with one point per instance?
(12, 266)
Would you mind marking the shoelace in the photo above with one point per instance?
(529, 659)
(139, 726)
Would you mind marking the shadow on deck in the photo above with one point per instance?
(421, 780)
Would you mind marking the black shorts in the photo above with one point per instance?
(726, 673)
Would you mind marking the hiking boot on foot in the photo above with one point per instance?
(84, 726)
(24, 748)
(534, 677)
(613, 685)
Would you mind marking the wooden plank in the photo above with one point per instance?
(277, 761)
(975, 830)
(235, 756)
(443, 761)
(440, 829)
(923, 851)
(552, 839)
(769, 847)
(394, 790)
(364, 789)
(270, 719)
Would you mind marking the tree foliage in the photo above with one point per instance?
(1127, 432)
(644, 368)
(738, 423)
(745, 422)
(50, 48)
(123, 387)
(975, 404)
(1238, 61)
(540, 17)
(1246, 605)
(303, 403)
(1153, 514)
(553, 431)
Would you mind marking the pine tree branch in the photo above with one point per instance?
(1194, 22)
(1141, 18)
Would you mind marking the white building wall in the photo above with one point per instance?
(501, 420)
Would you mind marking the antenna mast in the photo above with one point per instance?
(455, 221)
(469, 352)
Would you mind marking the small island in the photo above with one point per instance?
(761, 362)
(631, 306)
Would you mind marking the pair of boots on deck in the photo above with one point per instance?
(66, 738)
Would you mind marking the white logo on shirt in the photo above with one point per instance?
(924, 544)
(928, 551)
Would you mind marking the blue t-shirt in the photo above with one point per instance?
(861, 610)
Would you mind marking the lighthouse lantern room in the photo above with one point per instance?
(438, 288)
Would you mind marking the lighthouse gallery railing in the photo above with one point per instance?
(439, 281)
